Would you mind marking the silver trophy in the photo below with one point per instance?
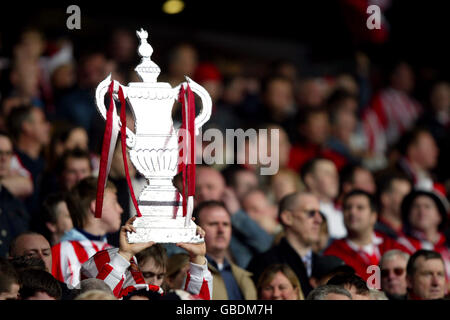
(154, 149)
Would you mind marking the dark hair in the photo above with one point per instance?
(358, 192)
(49, 213)
(309, 166)
(16, 118)
(426, 254)
(207, 204)
(8, 275)
(347, 173)
(80, 197)
(23, 263)
(157, 252)
(409, 138)
(33, 281)
(76, 153)
(352, 280)
(231, 171)
(149, 294)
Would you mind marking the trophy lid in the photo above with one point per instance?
(147, 70)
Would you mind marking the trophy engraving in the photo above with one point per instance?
(154, 148)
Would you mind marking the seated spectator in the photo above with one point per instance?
(230, 281)
(424, 216)
(152, 262)
(393, 187)
(177, 268)
(56, 217)
(14, 218)
(426, 276)
(321, 178)
(393, 274)
(38, 285)
(356, 177)
(353, 283)
(9, 281)
(248, 238)
(284, 182)
(279, 282)
(329, 292)
(258, 207)
(88, 235)
(300, 217)
(118, 267)
(418, 156)
(240, 179)
(363, 247)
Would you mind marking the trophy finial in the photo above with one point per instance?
(148, 70)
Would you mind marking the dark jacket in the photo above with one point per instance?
(283, 253)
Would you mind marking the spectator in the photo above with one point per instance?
(419, 155)
(95, 295)
(392, 111)
(89, 234)
(284, 182)
(9, 281)
(424, 216)
(426, 276)
(248, 238)
(38, 285)
(353, 283)
(152, 262)
(326, 268)
(279, 282)
(329, 292)
(14, 218)
(393, 274)
(258, 207)
(240, 179)
(393, 187)
(94, 284)
(56, 217)
(118, 267)
(321, 178)
(30, 132)
(363, 247)
(177, 268)
(230, 281)
(183, 60)
(299, 215)
(356, 177)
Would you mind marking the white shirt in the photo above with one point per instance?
(335, 220)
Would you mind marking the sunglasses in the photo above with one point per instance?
(397, 271)
(311, 213)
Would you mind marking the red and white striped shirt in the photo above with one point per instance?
(68, 256)
(390, 114)
(124, 276)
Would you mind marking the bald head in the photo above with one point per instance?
(209, 184)
(34, 245)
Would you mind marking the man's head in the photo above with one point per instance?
(209, 184)
(257, 205)
(9, 281)
(29, 122)
(153, 264)
(420, 148)
(213, 217)
(6, 153)
(354, 284)
(278, 94)
(320, 177)
(300, 216)
(32, 245)
(241, 179)
(393, 272)
(313, 125)
(424, 211)
(360, 212)
(356, 177)
(402, 76)
(56, 215)
(81, 203)
(329, 292)
(39, 285)
(75, 165)
(426, 275)
(391, 191)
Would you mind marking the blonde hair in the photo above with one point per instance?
(270, 272)
(95, 295)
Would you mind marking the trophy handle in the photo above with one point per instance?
(205, 112)
(100, 92)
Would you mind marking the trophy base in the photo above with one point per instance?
(168, 231)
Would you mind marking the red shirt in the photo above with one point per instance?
(360, 260)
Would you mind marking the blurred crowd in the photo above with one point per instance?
(357, 210)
